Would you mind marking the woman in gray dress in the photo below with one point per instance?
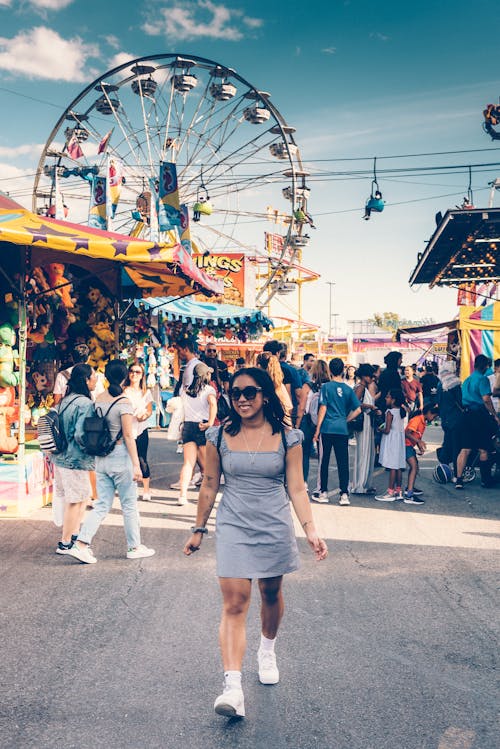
(255, 537)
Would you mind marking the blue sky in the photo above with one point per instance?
(357, 79)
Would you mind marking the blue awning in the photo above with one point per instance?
(188, 310)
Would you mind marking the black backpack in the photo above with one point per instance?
(96, 439)
(50, 431)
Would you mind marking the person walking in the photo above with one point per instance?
(71, 467)
(338, 406)
(270, 363)
(364, 454)
(449, 400)
(307, 414)
(255, 538)
(392, 446)
(479, 422)
(199, 401)
(412, 390)
(117, 471)
(140, 396)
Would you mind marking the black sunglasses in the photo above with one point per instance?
(249, 393)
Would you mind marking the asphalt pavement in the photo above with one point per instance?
(391, 643)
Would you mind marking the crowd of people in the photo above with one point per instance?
(254, 431)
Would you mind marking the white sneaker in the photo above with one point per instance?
(191, 485)
(230, 703)
(268, 670)
(197, 479)
(321, 497)
(82, 553)
(344, 499)
(140, 552)
(181, 501)
(180, 448)
(146, 497)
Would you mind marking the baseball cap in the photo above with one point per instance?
(202, 369)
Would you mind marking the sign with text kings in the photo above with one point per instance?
(237, 272)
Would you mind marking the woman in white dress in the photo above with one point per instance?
(364, 455)
(142, 403)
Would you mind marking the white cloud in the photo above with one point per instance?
(329, 50)
(113, 41)
(50, 4)
(120, 59)
(27, 149)
(4, 3)
(17, 183)
(199, 18)
(379, 36)
(42, 53)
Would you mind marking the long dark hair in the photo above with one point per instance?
(116, 372)
(77, 383)
(199, 382)
(273, 410)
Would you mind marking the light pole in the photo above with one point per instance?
(331, 284)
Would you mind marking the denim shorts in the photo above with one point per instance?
(191, 432)
(410, 452)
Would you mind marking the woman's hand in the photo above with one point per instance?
(137, 472)
(193, 544)
(317, 544)
(316, 436)
(204, 425)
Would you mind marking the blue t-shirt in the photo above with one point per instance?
(291, 377)
(340, 400)
(303, 375)
(473, 389)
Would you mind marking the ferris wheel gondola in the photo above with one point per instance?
(227, 140)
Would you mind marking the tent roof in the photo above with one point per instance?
(158, 268)
(186, 310)
(464, 247)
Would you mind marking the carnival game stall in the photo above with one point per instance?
(479, 332)
(236, 330)
(61, 284)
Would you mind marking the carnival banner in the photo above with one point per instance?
(274, 247)
(185, 231)
(169, 213)
(97, 210)
(237, 273)
(115, 182)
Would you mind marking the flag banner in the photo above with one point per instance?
(169, 214)
(185, 231)
(73, 148)
(97, 211)
(115, 181)
(153, 213)
(104, 142)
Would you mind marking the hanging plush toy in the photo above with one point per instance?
(57, 281)
(8, 377)
(8, 414)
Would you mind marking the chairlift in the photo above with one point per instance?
(375, 202)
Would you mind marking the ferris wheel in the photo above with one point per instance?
(233, 152)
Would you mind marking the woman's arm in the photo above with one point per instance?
(212, 413)
(301, 408)
(128, 438)
(300, 500)
(321, 418)
(388, 422)
(207, 496)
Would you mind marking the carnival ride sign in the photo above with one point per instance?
(237, 273)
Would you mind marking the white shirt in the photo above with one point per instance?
(188, 374)
(61, 384)
(197, 409)
(139, 401)
(496, 401)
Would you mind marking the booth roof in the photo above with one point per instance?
(152, 266)
(463, 248)
(188, 310)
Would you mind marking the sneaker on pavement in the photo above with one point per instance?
(146, 497)
(191, 485)
(197, 479)
(84, 554)
(411, 499)
(63, 548)
(321, 497)
(459, 484)
(181, 501)
(230, 703)
(268, 670)
(417, 492)
(344, 499)
(180, 448)
(140, 552)
(389, 496)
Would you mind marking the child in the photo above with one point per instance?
(413, 438)
(392, 446)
